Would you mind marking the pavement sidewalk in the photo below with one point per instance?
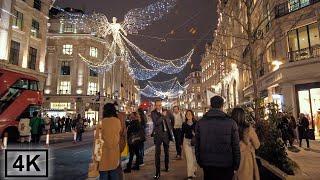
(177, 168)
(308, 159)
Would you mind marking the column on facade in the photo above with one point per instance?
(288, 92)
(4, 29)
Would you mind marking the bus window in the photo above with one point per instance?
(33, 85)
(21, 84)
(30, 109)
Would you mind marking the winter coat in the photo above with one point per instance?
(248, 169)
(36, 124)
(24, 128)
(303, 128)
(110, 131)
(123, 132)
(217, 141)
(158, 128)
(80, 127)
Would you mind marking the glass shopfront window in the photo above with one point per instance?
(309, 104)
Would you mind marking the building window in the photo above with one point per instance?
(67, 49)
(94, 52)
(302, 41)
(17, 20)
(32, 58)
(93, 73)
(68, 27)
(14, 52)
(297, 4)
(65, 68)
(37, 4)
(92, 88)
(35, 29)
(65, 87)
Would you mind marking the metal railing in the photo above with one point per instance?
(288, 7)
(305, 53)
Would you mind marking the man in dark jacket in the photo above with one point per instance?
(162, 134)
(217, 143)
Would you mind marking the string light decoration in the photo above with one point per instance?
(167, 89)
(134, 21)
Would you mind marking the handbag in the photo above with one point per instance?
(93, 170)
(193, 141)
(98, 144)
(310, 134)
(134, 139)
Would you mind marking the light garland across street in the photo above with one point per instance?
(134, 21)
(165, 89)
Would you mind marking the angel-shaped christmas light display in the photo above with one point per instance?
(134, 21)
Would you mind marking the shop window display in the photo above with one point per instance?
(309, 104)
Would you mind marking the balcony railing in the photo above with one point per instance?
(305, 53)
(288, 7)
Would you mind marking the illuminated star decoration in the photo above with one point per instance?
(134, 21)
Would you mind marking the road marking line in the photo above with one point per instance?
(79, 152)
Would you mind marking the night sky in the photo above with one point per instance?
(189, 25)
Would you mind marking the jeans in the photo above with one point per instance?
(35, 138)
(79, 136)
(177, 132)
(142, 153)
(134, 150)
(109, 175)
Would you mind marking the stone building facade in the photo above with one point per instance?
(23, 36)
(71, 86)
(286, 53)
(191, 97)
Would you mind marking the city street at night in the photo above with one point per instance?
(159, 89)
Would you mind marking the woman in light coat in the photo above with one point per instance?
(24, 128)
(249, 142)
(188, 133)
(110, 132)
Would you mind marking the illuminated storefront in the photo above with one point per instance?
(309, 103)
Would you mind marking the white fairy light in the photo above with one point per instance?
(135, 20)
(166, 89)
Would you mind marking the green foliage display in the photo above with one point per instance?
(272, 147)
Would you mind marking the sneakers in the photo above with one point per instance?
(178, 157)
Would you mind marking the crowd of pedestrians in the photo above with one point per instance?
(32, 127)
(294, 130)
(222, 145)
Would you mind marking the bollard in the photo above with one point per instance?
(5, 140)
(47, 139)
(75, 137)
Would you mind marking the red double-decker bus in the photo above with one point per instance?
(18, 93)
